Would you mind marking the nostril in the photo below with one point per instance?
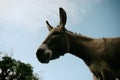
(40, 51)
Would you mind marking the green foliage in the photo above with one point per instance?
(10, 69)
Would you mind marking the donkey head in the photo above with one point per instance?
(56, 43)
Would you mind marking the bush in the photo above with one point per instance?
(10, 69)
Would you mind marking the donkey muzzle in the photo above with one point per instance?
(43, 55)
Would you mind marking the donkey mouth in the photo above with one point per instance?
(42, 59)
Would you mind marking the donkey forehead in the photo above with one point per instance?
(54, 32)
(57, 29)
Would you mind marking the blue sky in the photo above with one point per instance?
(23, 28)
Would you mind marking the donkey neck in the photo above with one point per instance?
(79, 46)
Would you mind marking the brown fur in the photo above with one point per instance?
(101, 55)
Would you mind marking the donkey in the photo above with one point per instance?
(101, 55)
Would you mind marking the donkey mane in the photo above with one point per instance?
(79, 35)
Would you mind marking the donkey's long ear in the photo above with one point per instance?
(49, 26)
(63, 17)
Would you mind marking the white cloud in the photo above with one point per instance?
(21, 18)
(31, 14)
